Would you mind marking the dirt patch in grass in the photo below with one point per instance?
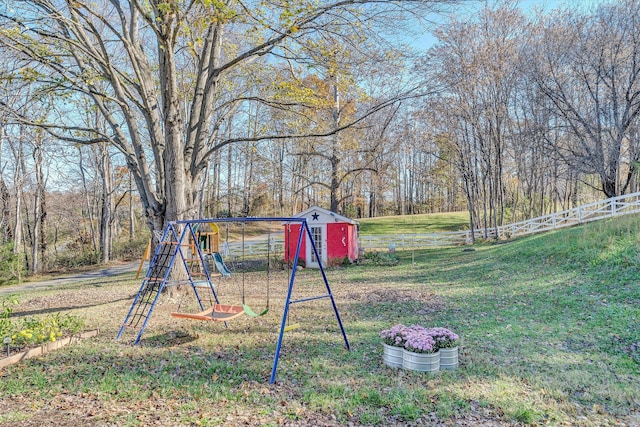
(422, 302)
(374, 295)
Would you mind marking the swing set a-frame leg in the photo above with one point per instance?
(288, 301)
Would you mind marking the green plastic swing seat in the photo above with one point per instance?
(251, 313)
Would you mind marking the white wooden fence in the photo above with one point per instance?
(608, 208)
(413, 241)
(615, 206)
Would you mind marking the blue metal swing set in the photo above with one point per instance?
(170, 250)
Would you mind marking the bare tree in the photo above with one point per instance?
(589, 68)
(478, 62)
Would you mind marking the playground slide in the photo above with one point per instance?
(220, 265)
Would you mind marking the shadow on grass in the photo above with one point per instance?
(67, 308)
(169, 339)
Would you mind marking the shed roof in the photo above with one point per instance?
(316, 214)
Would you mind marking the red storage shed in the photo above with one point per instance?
(335, 237)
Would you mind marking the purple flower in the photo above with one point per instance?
(420, 342)
(419, 339)
(444, 338)
(397, 334)
(394, 336)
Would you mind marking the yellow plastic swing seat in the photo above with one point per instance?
(216, 313)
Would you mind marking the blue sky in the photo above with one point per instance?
(427, 39)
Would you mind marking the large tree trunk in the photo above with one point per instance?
(5, 199)
(38, 237)
(87, 198)
(106, 205)
(5, 207)
(132, 224)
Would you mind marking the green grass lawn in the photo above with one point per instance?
(550, 329)
(409, 224)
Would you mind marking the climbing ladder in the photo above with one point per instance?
(174, 246)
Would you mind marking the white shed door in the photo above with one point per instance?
(317, 233)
